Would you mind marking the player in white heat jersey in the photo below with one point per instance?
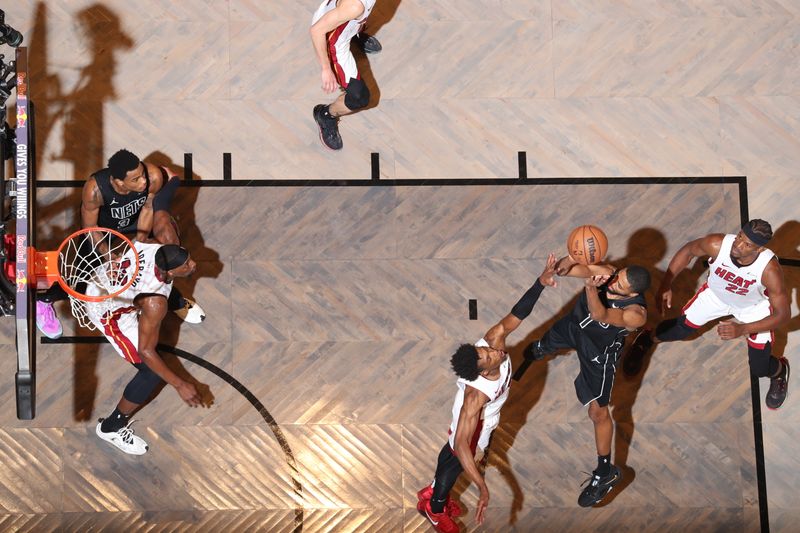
(745, 281)
(131, 322)
(334, 25)
(484, 374)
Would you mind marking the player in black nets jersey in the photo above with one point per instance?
(132, 197)
(611, 306)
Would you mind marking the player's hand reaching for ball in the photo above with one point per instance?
(548, 275)
(188, 394)
(564, 265)
(596, 281)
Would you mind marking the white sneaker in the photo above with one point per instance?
(191, 312)
(124, 439)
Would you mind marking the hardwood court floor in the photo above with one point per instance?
(337, 309)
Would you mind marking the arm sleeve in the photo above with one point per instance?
(163, 198)
(525, 304)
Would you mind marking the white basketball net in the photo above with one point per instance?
(96, 265)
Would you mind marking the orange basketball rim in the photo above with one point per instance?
(90, 255)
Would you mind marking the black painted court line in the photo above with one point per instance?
(438, 182)
(233, 382)
(473, 309)
(188, 172)
(522, 165)
(375, 166)
(755, 400)
(227, 167)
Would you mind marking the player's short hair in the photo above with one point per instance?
(639, 278)
(465, 362)
(757, 230)
(171, 256)
(121, 163)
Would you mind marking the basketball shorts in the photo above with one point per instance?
(343, 63)
(597, 367)
(120, 326)
(706, 306)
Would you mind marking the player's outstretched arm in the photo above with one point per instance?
(153, 310)
(474, 400)
(566, 266)
(707, 246)
(497, 334)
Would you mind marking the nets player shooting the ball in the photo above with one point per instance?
(611, 306)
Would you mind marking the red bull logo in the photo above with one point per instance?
(22, 116)
(22, 281)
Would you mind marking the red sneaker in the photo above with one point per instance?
(440, 521)
(450, 506)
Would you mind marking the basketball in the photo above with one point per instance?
(587, 244)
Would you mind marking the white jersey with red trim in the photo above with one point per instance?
(118, 318)
(736, 286)
(339, 40)
(497, 392)
(146, 281)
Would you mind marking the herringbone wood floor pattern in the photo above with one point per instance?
(336, 307)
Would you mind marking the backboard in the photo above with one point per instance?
(23, 180)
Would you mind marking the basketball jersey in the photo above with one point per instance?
(600, 334)
(339, 38)
(145, 282)
(495, 390)
(119, 211)
(735, 286)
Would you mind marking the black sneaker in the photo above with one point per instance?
(640, 348)
(534, 352)
(779, 387)
(368, 43)
(598, 487)
(328, 128)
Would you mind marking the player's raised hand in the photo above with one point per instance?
(596, 281)
(548, 275)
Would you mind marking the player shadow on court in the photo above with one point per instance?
(646, 247)
(80, 114)
(208, 266)
(80, 110)
(786, 244)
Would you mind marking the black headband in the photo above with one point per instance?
(171, 256)
(758, 240)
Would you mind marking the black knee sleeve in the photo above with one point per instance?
(142, 385)
(448, 468)
(762, 364)
(674, 329)
(356, 95)
(175, 300)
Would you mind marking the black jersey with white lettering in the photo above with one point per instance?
(119, 211)
(603, 335)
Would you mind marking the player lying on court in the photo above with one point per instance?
(611, 305)
(484, 374)
(131, 322)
